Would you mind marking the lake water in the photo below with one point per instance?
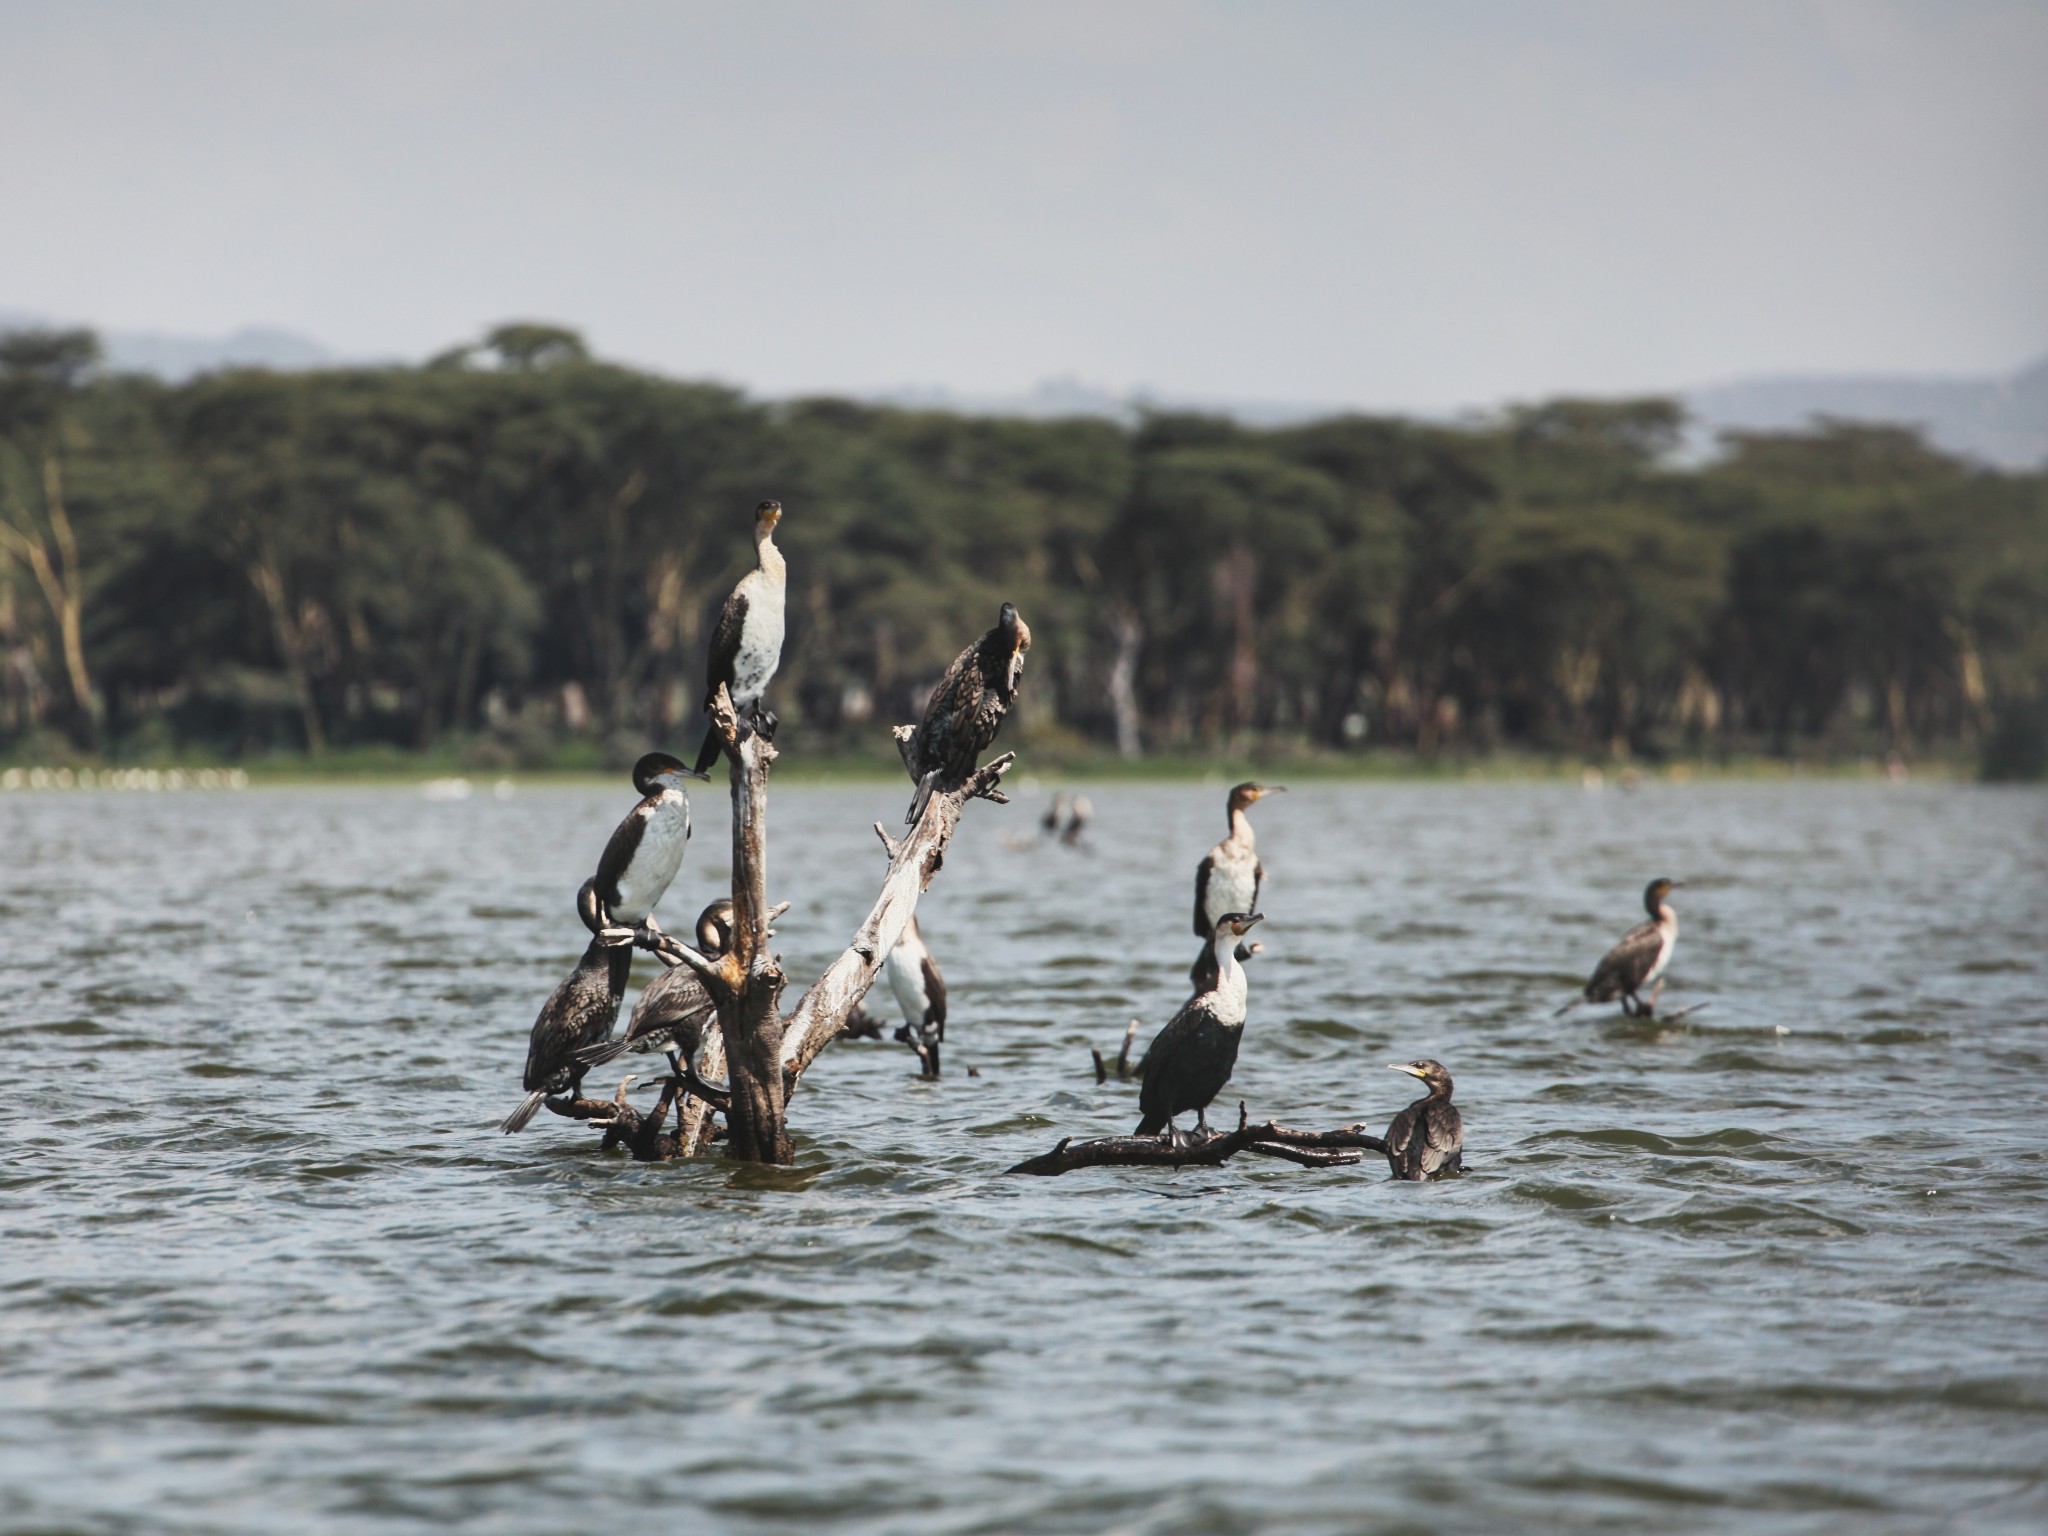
(265, 1265)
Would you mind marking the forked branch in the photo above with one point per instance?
(1311, 1149)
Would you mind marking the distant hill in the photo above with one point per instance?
(2000, 421)
(177, 358)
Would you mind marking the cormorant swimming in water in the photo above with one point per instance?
(1228, 879)
(1191, 1059)
(674, 1007)
(1638, 960)
(746, 648)
(579, 1012)
(1427, 1139)
(967, 709)
(921, 994)
(644, 853)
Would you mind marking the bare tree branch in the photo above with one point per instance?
(1311, 1149)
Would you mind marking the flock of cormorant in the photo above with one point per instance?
(1188, 1062)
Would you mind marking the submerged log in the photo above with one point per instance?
(1311, 1149)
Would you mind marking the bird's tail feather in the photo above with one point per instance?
(920, 799)
(522, 1117)
(707, 755)
(605, 1050)
(1151, 1125)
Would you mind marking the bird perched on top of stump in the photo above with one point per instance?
(746, 648)
(966, 710)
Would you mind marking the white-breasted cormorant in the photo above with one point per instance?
(1229, 877)
(921, 994)
(644, 853)
(1427, 1139)
(1639, 960)
(579, 1012)
(966, 709)
(746, 648)
(673, 1009)
(1190, 1060)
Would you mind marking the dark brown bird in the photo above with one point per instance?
(1427, 1139)
(645, 852)
(967, 709)
(674, 1008)
(579, 1012)
(1638, 960)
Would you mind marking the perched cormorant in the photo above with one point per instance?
(1427, 1139)
(1639, 959)
(674, 1007)
(1190, 1060)
(644, 853)
(921, 994)
(967, 709)
(579, 1012)
(1228, 879)
(746, 648)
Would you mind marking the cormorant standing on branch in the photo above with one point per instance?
(921, 994)
(674, 1007)
(967, 709)
(1427, 1139)
(1638, 960)
(1228, 880)
(1191, 1059)
(579, 1012)
(746, 648)
(644, 853)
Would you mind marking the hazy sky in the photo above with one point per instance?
(1421, 204)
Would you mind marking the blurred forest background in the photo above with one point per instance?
(512, 556)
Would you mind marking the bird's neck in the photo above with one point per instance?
(1230, 989)
(1241, 828)
(1667, 917)
(771, 559)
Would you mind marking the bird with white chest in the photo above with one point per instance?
(921, 994)
(1229, 878)
(644, 854)
(746, 647)
(1639, 960)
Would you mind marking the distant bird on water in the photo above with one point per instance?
(579, 1012)
(921, 994)
(1078, 818)
(1229, 877)
(1638, 960)
(746, 648)
(1427, 1139)
(1191, 1059)
(644, 854)
(674, 1007)
(967, 709)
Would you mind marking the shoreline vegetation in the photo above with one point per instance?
(507, 561)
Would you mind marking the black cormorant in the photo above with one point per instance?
(1228, 879)
(967, 709)
(746, 648)
(579, 1012)
(673, 1009)
(1427, 1139)
(921, 994)
(644, 853)
(1191, 1059)
(1081, 813)
(1639, 959)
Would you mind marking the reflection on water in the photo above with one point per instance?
(266, 1266)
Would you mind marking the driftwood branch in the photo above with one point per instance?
(822, 1013)
(1124, 1069)
(1311, 1149)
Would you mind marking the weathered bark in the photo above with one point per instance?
(1311, 1149)
(822, 1013)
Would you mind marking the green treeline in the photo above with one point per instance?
(516, 547)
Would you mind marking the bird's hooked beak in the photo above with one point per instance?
(1408, 1067)
(768, 514)
(1245, 925)
(1268, 789)
(674, 777)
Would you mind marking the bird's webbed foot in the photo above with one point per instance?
(766, 722)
